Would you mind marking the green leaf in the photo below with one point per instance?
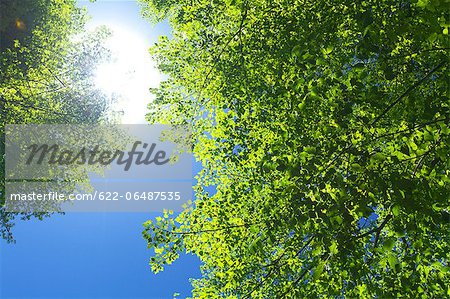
(379, 157)
(392, 260)
(389, 243)
(318, 270)
(356, 167)
(333, 248)
(396, 210)
(297, 51)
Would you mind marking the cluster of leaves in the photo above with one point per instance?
(47, 63)
(323, 131)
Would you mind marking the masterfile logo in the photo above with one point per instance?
(117, 167)
(54, 155)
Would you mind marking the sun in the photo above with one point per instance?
(129, 75)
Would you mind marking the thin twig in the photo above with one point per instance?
(408, 91)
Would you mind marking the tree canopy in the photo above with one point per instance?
(323, 132)
(47, 67)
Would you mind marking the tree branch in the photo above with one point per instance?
(408, 91)
(376, 229)
(207, 230)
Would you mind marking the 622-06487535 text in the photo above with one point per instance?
(104, 196)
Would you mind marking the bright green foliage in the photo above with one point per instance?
(324, 128)
(47, 63)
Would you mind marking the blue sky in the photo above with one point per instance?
(88, 255)
(95, 255)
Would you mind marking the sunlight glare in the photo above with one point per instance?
(129, 74)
